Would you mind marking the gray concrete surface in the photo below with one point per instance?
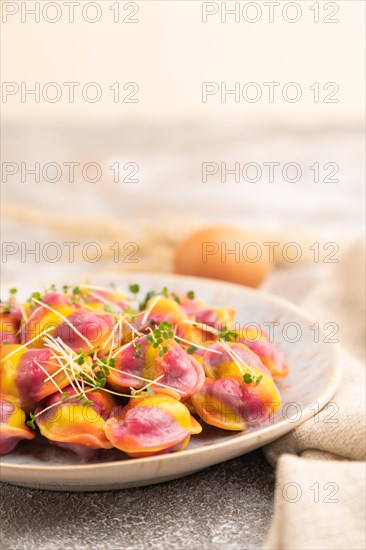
(227, 506)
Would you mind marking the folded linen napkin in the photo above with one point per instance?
(320, 497)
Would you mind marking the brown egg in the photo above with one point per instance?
(226, 253)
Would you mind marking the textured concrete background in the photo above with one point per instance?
(225, 506)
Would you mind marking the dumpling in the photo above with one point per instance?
(231, 359)
(155, 425)
(12, 426)
(270, 356)
(141, 361)
(10, 317)
(23, 374)
(231, 404)
(75, 425)
(79, 329)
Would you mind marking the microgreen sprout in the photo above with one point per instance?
(134, 289)
(36, 300)
(176, 297)
(222, 336)
(137, 352)
(109, 308)
(147, 298)
(84, 400)
(163, 351)
(191, 294)
(249, 378)
(64, 397)
(226, 334)
(31, 422)
(163, 331)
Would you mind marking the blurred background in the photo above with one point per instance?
(119, 129)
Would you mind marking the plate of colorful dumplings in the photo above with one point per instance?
(138, 379)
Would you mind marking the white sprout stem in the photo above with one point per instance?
(106, 390)
(22, 311)
(64, 319)
(134, 331)
(150, 308)
(111, 347)
(52, 342)
(197, 345)
(61, 347)
(71, 363)
(203, 326)
(94, 287)
(50, 376)
(151, 383)
(61, 402)
(122, 348)
(64, 368)
(146, 379)
(46, 373)
(227, 349)
(236, 358)
(112, 334)
(137, 332)
(27, 343)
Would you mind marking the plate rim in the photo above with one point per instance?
(276, 429)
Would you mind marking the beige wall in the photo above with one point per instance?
(170, 52)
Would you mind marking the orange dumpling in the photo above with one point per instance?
(12, 426)
(151, 426)
(74, 424)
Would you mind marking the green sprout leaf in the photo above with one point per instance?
(147, 298)
(137, 352)
(31, 422)
(176, 298)
(226, 334)
(134, 289)
(109, 308)
(163, 351)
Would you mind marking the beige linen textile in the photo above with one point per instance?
(320, 497)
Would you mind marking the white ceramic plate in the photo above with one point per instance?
(315, 366)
